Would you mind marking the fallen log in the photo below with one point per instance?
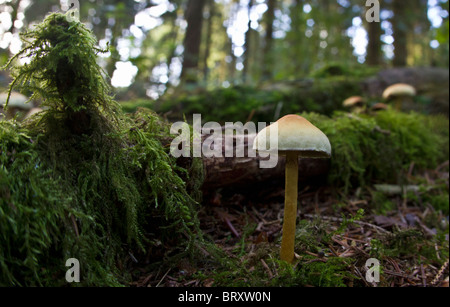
(225, 172)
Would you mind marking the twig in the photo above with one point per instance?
(401, 275)
(424, 279)
(233, 230)
(438, 169)
(163, 278)
(439, 275)
(336, 219)
(264, 264)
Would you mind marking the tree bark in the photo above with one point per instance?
(209, 32)
(374, 52)
(192, 41)
(247, 54)
(268, 57)
(400, 27)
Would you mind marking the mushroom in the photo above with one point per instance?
(379, 107)
(297, 137)
(33, 112)
(17, 103)
(357, 104)
(398, 93)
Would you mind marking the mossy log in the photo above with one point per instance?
(226, 172)
(431, 84)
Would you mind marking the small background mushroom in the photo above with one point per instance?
(399, 94)
(356, 104)
(18, 103)
(379, 107)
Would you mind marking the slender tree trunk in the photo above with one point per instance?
(247, 54)
(192, 41)
(268, 57)
(209, 33)
(374, 52)
(297, 37)
(400, 27)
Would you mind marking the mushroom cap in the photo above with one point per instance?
(354, 101)
(379, 106)
(33, 111)
(295, 134)
(16, 100)
(398, 90)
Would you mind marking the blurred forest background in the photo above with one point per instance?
(158, 46)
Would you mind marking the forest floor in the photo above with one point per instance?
(408, 236)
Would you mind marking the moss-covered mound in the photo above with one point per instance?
(380, 148)
(263, 104)
(82, 180)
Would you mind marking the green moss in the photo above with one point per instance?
(407, 242)
(381, 204)
(240, 103)
(381, 148)
(81, 179)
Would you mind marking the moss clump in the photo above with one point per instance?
(81, 179)
(381, 148)
(241, 103)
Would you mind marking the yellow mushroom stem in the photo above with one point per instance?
(290, 208)
(398, 103)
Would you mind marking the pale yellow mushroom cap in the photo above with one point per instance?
(400, 89)
(295, 134)
(354, 101)
(16, 100)
(33, 112)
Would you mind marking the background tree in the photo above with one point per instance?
(192, 41)
(268, 42)
(374, 51)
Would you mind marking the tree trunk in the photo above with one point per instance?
(268, 57)
(192, 41)
(374, 52)
(297, 39)
(247, 54)
(400, 27)
(209, 33)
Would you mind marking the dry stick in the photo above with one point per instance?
(267, 268)
(233, 230)
(336, 219)
(163, 278)
(424, 279)
(403, 275)
(439, 275)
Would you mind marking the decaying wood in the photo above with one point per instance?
(223, 172)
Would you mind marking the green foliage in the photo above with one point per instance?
(380, 148)
(81, 179)
(33, 207)
(63, 70)
(414, 138)
(332, 273)
(241, 103)
(339, 70)
(407, 242)
(311, 236)
(381, 203)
